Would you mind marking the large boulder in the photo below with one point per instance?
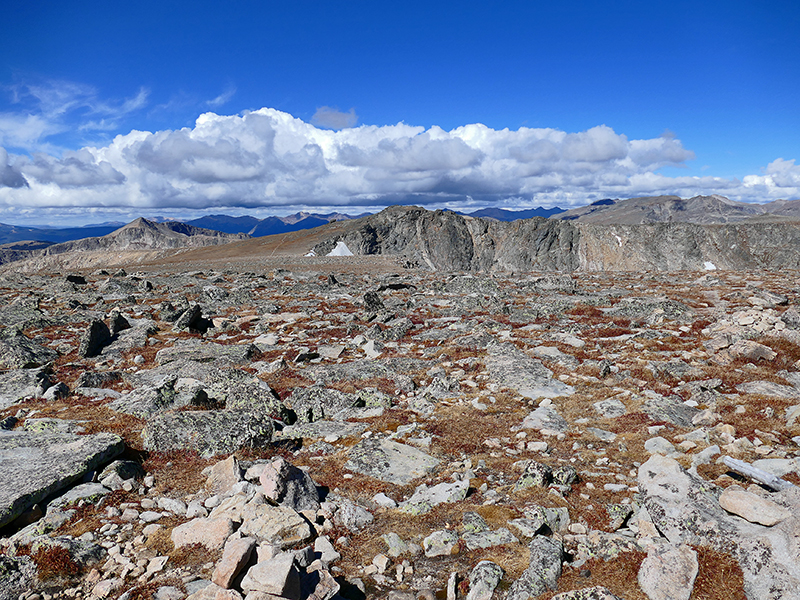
(389, 461)
(208, 432)
(94, 338)
(35, 465)
(514, 369)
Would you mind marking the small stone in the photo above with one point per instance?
(382, 562)
(440, 543)
(752, 507)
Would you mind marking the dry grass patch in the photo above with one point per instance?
(52, 562)
(754, 418)
(618, 574)
(719, 578)
(146, 591)
(177, 473)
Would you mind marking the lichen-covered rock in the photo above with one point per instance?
(239, 390)
(597, 592)
(686, 510)
(511, 367)
(425, 497)
(209, 433)
(535, 475)
(389, 461)
(316, 403)
(147, 401)
(543, 571)
(483, 580)
(17, 575)
(35, 465)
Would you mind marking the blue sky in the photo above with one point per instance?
(111, 110)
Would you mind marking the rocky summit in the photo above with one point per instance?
(346, 428)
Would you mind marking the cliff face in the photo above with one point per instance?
(450, 242)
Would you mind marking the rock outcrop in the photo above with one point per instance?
(446, 241)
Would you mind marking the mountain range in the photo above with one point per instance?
(673, 209)
(251, 226)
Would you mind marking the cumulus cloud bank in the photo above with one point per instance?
(268, 158)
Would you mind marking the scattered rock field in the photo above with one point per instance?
(229, 435)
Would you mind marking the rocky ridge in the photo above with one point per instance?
(139, 236)
(445, 241)
(663, 209)
(314, 435)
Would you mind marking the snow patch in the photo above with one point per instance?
(312, 253)
(619, 240)
(340, 250)
(709, 266)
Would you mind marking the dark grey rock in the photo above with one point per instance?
(17, 575)
(373, 302)
(94, 338)
(669, 409)
(35, 465)
(317, 403)
(190, 319)
(98, 379)
(147, 401)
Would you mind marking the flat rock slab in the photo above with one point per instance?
(35, 465)
(389, 461)
(514, 369)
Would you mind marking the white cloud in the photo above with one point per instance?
(223, 98)
(333, 118)
(267, 158)
(49, 108)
